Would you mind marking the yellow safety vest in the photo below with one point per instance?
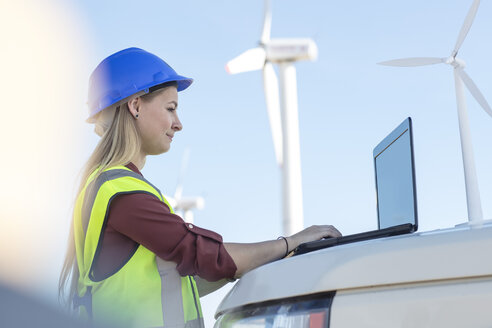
(146, 291)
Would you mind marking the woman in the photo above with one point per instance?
(131, 260)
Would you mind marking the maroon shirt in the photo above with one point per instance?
(140, 218)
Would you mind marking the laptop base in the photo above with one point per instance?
(329, 242)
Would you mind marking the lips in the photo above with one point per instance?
(170, 137)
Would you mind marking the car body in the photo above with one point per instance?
(440, 278)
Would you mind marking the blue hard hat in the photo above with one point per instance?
(127, 72)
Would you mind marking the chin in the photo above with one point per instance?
(165, 150)
(158, 151)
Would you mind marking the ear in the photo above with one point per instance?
(133, 106)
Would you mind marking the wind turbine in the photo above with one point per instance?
(282, 113)
(460, 78)
(185, 205)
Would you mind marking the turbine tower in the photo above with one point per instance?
(282, 111)
(460, 78)
(185, 205)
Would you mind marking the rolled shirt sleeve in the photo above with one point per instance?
(149, 222)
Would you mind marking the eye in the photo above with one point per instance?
(171, 109)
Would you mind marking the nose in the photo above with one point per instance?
(177, 126)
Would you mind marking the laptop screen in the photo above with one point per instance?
(395, 186)
(395, 178)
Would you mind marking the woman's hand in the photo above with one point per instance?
(250, 256)
(312, 233)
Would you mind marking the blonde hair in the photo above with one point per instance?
(120, 143)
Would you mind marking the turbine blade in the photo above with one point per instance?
(413, 61)
(250, 60)
(466, 26)
(267, 22)
(472, 87)
(270, 83)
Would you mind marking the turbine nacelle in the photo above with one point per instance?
(189, 203)
(275, 51)
(279, 50)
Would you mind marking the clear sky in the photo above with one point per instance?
(347, 104)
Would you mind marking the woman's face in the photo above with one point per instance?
(158, 121)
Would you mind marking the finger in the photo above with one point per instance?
(337, 233)
(331, 231)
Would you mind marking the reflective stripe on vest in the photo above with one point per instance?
(146, 291)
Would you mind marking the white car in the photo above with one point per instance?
(439, 278)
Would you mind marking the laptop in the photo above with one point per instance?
(395, 189)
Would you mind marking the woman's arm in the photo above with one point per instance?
(250, 256)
